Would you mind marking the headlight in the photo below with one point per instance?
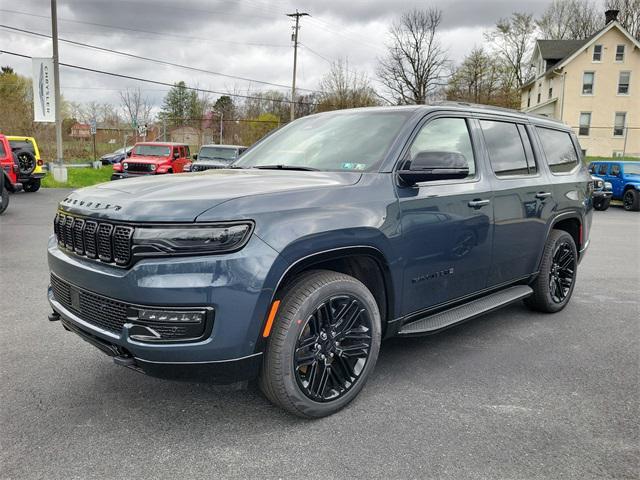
(608, 185)
(125, 165)
(191, 239)
(153, 167)
(187, 167)
(599, 183)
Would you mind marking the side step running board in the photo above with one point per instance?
(458, 314)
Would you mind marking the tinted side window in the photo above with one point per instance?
(592, 168)
(187, 152)
(615, 169)
(2, 152)
(559, 150)
(505, 148)
(445, 135)
(602, 169)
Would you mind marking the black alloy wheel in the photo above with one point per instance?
(323, 345)
(631, 200)
(562, 272)
(333, 348)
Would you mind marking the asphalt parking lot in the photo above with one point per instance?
(511, 395)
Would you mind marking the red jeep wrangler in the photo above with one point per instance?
(8, 173)
(152, 158)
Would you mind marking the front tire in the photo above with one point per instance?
(4, 198)
(323, 345)
(602, 204)
(554, 284)
(631, 201)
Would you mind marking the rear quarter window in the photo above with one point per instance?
(559, 149)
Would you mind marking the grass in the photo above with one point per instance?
(80, 177)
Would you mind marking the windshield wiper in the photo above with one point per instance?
(286, 167)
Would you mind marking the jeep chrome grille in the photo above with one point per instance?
(94, 239)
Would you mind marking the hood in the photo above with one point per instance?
(182, 197)
(213, 163)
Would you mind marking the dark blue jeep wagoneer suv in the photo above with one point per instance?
(329, 235)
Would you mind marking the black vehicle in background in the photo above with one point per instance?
(215, 156)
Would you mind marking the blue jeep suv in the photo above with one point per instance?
(624, 178)
(327, 236)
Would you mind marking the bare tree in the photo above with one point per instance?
(629, 16)
(569, 20)
(481, 78)
(137, 109)
(343, 87)
(414, 65)
(513, 39)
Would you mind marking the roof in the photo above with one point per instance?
(217, 145)
(164, 144)
(558, 49)
(471, 108)
(554, 49)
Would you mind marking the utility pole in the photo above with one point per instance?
(297, 16)
(56, 84)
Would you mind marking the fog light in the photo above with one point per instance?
(171, 316)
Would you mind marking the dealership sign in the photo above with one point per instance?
(44, 101)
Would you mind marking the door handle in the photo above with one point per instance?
(542, 195)
(478, 203)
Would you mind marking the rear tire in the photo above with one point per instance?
(631, 201)
(556, 280)
(32, 186)
(318, 360)
(602, 204)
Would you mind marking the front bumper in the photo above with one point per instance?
(121, 175)
(235, 286)
(602, 194)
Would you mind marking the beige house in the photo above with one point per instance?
(592, 85)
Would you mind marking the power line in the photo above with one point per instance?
(157, 82)
(162, 34)
(154, 60)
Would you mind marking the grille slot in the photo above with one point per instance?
(68, 232)
(105, 250)
(111, 315)
(90, 239)
(122, 244)
(94, 239)
(78, 241)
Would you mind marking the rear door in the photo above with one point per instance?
(523, 200)
(446, 224)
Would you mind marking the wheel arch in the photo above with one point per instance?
(570, 222)
(365, 263)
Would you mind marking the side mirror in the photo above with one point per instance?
(129, 153)
(176, 155)
(428, 165)
(194, 156)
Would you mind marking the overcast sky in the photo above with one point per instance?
(248, 38)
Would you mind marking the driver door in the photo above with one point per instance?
(181, 159)
(447, 225)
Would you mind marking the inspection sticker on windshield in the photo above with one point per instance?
(354, 166)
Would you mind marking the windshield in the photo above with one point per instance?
(152, 150)
(218, 153)
(340, 141)
(632, 168)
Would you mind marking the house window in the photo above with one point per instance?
(585, 124)
(584, 152)
(588, 79)
(529, 98)
(619, 124)
(539, 97)
(620, 53)
(550, 92)
(597, 53)
(623, 83)
(616, 154)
